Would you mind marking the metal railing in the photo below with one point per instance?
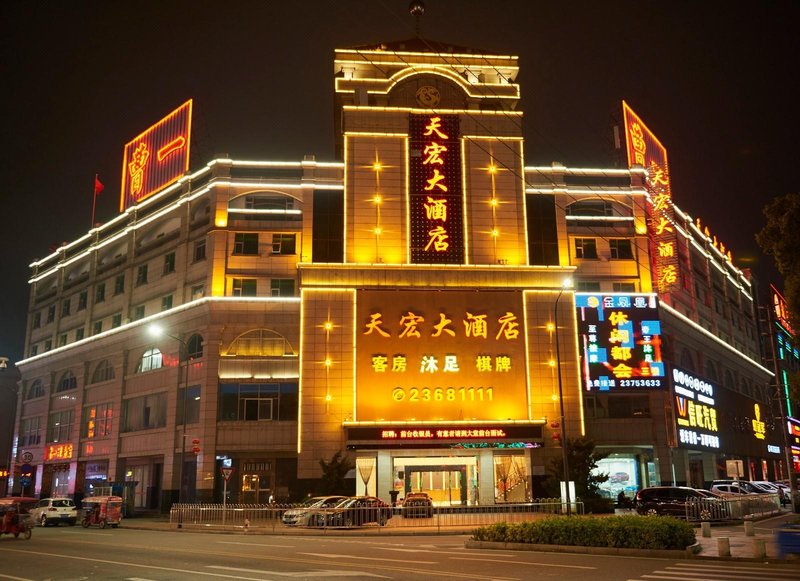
(283, 518)
(732, 507)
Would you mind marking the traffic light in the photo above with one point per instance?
(196, 446)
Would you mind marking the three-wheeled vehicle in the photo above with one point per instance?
(102, 511)
(14, 517)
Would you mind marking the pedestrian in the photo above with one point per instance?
(271, 498)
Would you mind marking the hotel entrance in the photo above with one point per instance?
(449, 481)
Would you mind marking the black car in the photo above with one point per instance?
(680, 502)
(417, 504)
(359, 510)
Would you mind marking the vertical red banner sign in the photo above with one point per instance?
(436, 211)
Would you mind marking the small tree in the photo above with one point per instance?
(582, 458)
(333, 473)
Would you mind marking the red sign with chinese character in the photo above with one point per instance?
(156, 158)
(435, 196)
(780, 310)
(58, 452)
(645, 149)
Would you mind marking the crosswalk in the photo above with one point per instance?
(698, 571)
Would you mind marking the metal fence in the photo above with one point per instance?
(732, 507)
(270, 518)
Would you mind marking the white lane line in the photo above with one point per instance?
(138, 579)
(255, 544)
(684, 578)
(404, 561)
(15, 578)
(734, 568)
(303, 574)
(687, 574)
(520, 563)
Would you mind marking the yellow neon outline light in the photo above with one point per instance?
(420, 111)
(464, 228)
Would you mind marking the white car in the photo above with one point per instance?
(54, 511)
(310, 508)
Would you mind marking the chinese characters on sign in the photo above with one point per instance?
(58, 452)
(435, 190)
(644, 149)
(157, 157)
(695, 412)
(620, 339)
(780, 309)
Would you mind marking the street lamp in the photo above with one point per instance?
(567, 284)
(156, 330)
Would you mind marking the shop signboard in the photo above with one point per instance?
(620, 342)
(696, 415)
(434, 435)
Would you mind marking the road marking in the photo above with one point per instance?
(255, 545)
(682, 573)
(520, 563)
(331, 556)
(759, 570)
(303, 574)
(15, 578)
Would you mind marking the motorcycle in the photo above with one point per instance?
(15, 519)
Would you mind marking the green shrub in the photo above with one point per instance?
(598, 505)
(630, 532)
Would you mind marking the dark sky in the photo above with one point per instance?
(716, 82)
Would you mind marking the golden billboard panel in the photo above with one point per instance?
(443, 355)
(157, 157)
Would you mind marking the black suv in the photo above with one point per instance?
(680, 502)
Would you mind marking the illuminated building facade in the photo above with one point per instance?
(402, 304)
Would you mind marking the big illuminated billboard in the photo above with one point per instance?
(696, 411)
(435, 197)
(157, 157)
(645, 149)
(780, 309)
(620, 341)
(446, 355)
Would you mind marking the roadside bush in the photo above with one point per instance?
(630, 532)
(598, 505)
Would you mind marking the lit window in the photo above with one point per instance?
(198, 291)
(151, 359)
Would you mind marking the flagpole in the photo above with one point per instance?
(94, 196)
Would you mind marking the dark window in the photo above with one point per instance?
(103, 372)
(591, 208)
(244, 287)
(624, 287)
(68, 381)
(200, 250)
(542, 229)
(59, 426)
(116, 320)
(146, 412)
(328, 227)
(166, 303)
(194, 347)
(169, 263)
(51, 313)
(37, 320)
(48, 344)
(138, 312)
(258, 401)
(100, 293)
(633, 406)
(283, 243)
(587, 286)
(282, 287)
(35, 390)
(585, 248)
(83, 298)
(97, 328)
(119, 284)
(65, 307)
(198, 291)
(34, 350)
(62, 339)
(245, 243)
(190, 400)
(141, 275)
(621, 249)
(79, 333)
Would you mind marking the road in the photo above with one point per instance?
(70, 553)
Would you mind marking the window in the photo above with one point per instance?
(268, 203)
(119, 284)
(169, 263)
(587, 286)
(198, 291)
(37, 320)
(79, 333)
(590, 208)
(34, 350)
(624, 287)
(141, 275)
(585, 248)
(621, 249)
(200, 250)
(30, 431)
(634, 406)
(51, 313)
(258, 401)
(103, 372)
(68, 381)
(138, 312)
(35, 390)
(194, 347)
(97, 420)
(48, 344)
(151, 359)
(97, 328)
(65, 307)
(190, 398)
(62, 339)
(100, 293)
(116, 320)
(244, 287)
(282, 287)
(166, 303)
(59, 426)
(83, 298)
(245, 243)
(283, 243)
(145, 412)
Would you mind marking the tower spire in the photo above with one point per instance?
(417, 9)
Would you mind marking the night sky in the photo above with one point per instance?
(716, 84)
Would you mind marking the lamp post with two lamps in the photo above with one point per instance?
(564, 454)
(156, 331)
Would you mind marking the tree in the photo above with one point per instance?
(582, 458)
(333, 473)
(780, 238)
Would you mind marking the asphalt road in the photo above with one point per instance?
(68, 553)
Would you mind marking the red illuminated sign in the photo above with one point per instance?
(58, 452)
(780, 308)
(437, 230)
(157, 157)
(645, 149)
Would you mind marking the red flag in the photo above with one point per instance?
(98, 187)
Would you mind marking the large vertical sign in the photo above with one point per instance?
(646, 150)
(620, 342)
(780, 310)
(435, 199)
(696, 416)
(156, 158)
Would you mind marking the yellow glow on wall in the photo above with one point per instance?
(221, 217)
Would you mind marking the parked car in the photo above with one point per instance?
(301, 515)
(679, 502)
(359, 510)
(737, 487)
(52, 511)
(417, 504)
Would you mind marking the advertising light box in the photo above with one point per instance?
(449, 355)
(696, 417)
(620, 342)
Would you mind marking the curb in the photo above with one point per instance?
(687, 553)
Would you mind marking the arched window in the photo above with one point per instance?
(103, 372)
(35, 390)
(68, 381)
(151, 359)
(728, 381)
(711, 371)
(687, 361)
(194, 347)
(259, 343)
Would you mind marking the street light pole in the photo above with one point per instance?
(564, 455)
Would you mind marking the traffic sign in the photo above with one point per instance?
(26, 470)
(227, 473)
(25, 481)
(26, 457)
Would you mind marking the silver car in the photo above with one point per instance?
(52, 511)
(300, 516)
